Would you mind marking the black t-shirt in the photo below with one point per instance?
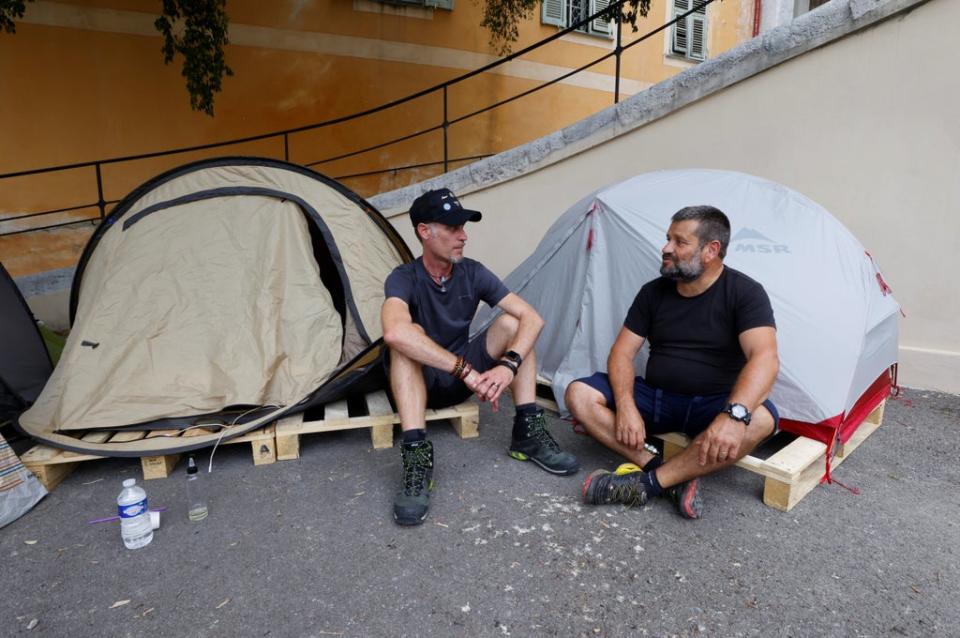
(445, 312)
(694, 341)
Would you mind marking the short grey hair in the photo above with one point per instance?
(712, 225)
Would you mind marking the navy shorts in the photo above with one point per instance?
(443, 389)
(670, 412)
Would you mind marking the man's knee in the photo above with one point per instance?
(763, 423)
(500, 334)
(580, 397)
(508, 324)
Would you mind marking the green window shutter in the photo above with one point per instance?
(552, 12)
(439, 4)
(600, 25)
(698, 37)
(679, 40)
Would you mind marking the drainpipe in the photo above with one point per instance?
(757, 12)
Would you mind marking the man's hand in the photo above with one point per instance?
(491, 384)
(630, 427)
(721, 441)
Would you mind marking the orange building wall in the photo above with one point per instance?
(71, 94)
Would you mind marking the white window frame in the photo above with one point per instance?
(429, 4)
(684, 41)
(555, 12)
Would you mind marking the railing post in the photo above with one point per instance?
(286, 147)
(446, 125)
(102, 205)
(616, 82)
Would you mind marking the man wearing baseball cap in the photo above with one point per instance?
(429, 304)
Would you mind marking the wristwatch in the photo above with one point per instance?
(738, 412)
(513, 356)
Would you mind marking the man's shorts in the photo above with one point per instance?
(670, 412)
(443, 389)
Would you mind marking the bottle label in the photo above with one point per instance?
(134, 509)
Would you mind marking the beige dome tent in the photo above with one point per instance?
(227, 292)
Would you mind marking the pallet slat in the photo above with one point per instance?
(794, 471)
(380, 418)
(52, 465)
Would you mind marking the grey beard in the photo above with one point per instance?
(455, 260)
(683, 272)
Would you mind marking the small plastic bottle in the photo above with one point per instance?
(196, 499)
(135, 526)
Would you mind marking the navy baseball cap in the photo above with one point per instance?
(443, 207)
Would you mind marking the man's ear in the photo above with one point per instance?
(423, 232)
(713, 250)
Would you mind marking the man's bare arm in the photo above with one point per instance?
(409, 339)
(494, 381)
(531, 323)
(763, 363)
(630, 428)
(723, 438)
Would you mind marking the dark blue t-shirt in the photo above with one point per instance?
(445, 312)
(695, 341)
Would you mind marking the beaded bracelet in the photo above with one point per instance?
(458, 368)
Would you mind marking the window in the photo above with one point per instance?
(563, 13)
(689, 35)
(437, 4)
(802, 6)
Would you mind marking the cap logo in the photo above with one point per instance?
(446, 207)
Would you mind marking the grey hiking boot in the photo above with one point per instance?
(538, 446)
(603, 487)
(412, 501)
(686, 497)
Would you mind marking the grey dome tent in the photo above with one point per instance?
(837, 321)
(226, 293)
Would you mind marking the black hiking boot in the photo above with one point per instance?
(603, 487)
(413, 500)
(538, 446)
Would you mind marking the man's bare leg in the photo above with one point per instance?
(409, 391)
(530, 440)
(589, 407)
(686, 466)
(499, 336)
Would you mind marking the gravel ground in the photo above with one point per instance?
(308, 547)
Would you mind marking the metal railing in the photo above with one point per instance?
(285, 136)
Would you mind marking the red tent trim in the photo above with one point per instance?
(839, 428)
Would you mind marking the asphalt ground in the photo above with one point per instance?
(309, 548)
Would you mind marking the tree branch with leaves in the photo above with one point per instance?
(194, 29)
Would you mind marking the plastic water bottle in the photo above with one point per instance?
(135, 526)
(196, 499)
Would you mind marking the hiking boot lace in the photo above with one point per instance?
(619, 489)
(415, 465)
(538, 430)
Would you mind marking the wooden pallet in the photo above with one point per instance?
(790, 473)
(379, 417)
(52, 465)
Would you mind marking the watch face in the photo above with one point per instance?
(738, 411)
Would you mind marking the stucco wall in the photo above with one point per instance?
(865, 125)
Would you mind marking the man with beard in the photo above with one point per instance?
(713, 360)
(429, 304)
